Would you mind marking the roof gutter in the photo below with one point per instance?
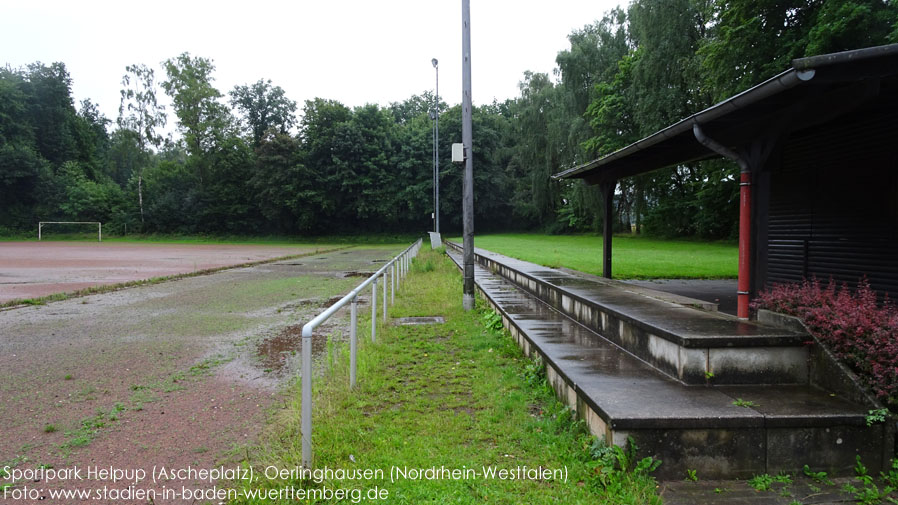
(825, 60)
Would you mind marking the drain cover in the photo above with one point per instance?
(411, 321)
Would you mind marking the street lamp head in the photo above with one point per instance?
(435, 62)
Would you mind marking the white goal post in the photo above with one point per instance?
(40, 226)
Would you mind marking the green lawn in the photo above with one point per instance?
(632, 257)
(458, 396)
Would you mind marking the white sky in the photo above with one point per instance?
(354, 51)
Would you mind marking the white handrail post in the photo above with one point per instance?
(306, 422)
(353, 337)
(392, 283)
(373, 310)
(385, 295)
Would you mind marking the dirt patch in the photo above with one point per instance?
(275, 352)
(36, 269)
(464, 410)
(357, 274)
(175, 364)
(331, 301)
(534, 410)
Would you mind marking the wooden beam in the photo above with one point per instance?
(607, 225)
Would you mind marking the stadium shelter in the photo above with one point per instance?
(817, 147)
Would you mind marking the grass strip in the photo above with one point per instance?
(107, 288)
(453, 396)
(633, 257)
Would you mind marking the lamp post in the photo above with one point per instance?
(433, 162)
(436, 150)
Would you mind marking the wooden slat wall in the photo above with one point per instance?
(834, 203)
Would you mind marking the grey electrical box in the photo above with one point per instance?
(458, 153)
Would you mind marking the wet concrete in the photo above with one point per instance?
(727, 492)
(415, 321)
(696, 427)
(668, 319)
(721, 292)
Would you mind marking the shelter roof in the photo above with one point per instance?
(814, 90)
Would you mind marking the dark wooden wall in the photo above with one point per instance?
(832, 202)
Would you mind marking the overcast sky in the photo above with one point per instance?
(354, 51)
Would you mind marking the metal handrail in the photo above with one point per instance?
(402, 261)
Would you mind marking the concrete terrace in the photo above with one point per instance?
(695, 388)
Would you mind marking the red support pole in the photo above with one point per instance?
(744, 245)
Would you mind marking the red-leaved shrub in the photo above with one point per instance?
(858, 330)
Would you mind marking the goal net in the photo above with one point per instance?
(69, 230)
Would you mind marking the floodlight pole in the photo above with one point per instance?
(433, 159)
(436, 150)
(467, 140)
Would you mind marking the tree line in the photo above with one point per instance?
(251, 162)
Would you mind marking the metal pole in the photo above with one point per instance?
(306, 424)
(374, 310)
(101, 232)
(392, 283)
(437, 150)
(39, 226)
(385, 297)
(353, 337)
(467, 140)
(433, 137)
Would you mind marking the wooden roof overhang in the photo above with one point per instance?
(815, 90)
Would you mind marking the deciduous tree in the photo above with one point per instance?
(141, 113)
(263, 106)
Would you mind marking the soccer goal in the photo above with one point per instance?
(66, 225)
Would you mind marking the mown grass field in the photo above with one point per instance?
(458, 395)
(633, 257)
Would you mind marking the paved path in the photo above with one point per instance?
(168, 374)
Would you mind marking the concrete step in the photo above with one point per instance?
(618, 395)
(694, 347)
